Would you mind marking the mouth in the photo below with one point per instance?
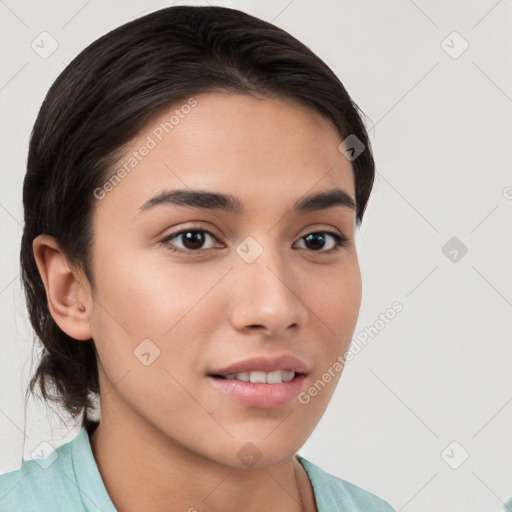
(260, 390)
(258, 377)
(262, 382)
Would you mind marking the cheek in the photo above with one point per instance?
(146, 300)
(335, 300)
(334, 310)
(148, 296)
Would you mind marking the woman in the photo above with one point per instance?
(195, 178)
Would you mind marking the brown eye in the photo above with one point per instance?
(317, 241)
(191, 239)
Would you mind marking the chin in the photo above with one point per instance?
(257, 454)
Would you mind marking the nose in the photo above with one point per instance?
(267, 296)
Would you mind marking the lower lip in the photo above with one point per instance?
(259, 395)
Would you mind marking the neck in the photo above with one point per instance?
(143, 470)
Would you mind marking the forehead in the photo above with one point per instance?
(266, 150)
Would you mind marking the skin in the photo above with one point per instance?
(168, 440)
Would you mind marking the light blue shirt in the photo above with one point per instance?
(68, 480)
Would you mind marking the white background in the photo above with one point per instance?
(441, 128)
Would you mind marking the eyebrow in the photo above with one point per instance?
(231, 204)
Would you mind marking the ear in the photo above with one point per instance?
(67, 291)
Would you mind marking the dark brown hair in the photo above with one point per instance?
(100, 102)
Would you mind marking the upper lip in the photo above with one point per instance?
(264, 364)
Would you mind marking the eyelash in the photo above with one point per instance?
(340, 241)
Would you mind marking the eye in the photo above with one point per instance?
(318, 239)
(193, 240)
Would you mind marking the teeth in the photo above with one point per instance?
(262, 377)
(279, 376)
(258, 377)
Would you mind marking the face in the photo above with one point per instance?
(184, 291)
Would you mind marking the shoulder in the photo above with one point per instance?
(331, 491)
(42, 484)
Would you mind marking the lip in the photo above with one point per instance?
(259, 395)
(264, 364)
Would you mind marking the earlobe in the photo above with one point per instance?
(67, 291)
